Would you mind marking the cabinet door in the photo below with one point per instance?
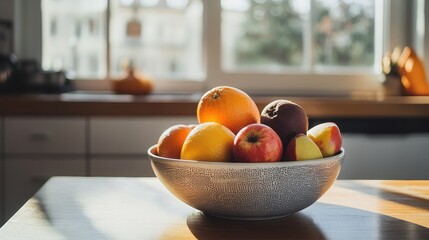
(25, 174)
(118, 145)
(121, 166)
(389, 156)
(45, 135)
(1, 171)
(118, 135)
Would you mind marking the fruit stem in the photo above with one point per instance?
(215, 95)
(252, 138)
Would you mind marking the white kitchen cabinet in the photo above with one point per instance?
(1, 134)
(121, 166)
(130, 135)
(36, 148)
(25, 174)
(57, 135)
(1, 172)
(118, 145)
(388, 156)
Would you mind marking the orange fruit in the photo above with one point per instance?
(209, 142)
(228, 106)
(171, 140)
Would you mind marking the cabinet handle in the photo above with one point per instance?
(39, 136)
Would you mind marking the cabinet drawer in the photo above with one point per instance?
(390, 156)
(1, 172)
(121, 166)
(129, 135)
(1, 134)
(44, 135)
(26, 174)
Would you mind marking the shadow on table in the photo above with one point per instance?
(398, 197)
(319, 221)
(64, 207)
(82, 228)
(297, 226)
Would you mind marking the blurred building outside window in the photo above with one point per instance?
(173, 40)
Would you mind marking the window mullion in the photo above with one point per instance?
(426, 37)
(107, 40)
(309, 52)
(212, 40)
(397, 26)
(380, 35)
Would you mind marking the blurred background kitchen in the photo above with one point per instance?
(362, 64)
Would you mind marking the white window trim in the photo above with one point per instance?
(425, 36)
(338, 83)
(320, 83)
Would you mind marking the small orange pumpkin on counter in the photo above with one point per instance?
(134, 83)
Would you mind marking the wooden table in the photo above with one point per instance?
(141, 208)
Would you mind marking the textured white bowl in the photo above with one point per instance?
(247, 191)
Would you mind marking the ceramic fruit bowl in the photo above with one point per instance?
(247, 191)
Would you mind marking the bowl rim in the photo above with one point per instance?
(337, 157)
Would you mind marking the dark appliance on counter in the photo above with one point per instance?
(30, 78)
(7, 59)
(26, 75)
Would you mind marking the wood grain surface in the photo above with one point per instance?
(141, 208)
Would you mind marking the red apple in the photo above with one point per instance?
(327, 137)
(257, 143)
(302, 147)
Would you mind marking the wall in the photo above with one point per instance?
(28, 29)
(26, 18)
(6, 9)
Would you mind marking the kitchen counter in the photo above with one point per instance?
(106, 104)
(142, 208)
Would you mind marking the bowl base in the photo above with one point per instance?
(247, 218)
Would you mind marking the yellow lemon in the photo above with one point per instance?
(208, 142)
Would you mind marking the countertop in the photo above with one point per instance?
(105, 104)
(141, 208)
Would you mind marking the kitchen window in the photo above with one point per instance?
(161, 38)
(261, 46)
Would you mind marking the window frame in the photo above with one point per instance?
(329, 82)
(338, 82)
